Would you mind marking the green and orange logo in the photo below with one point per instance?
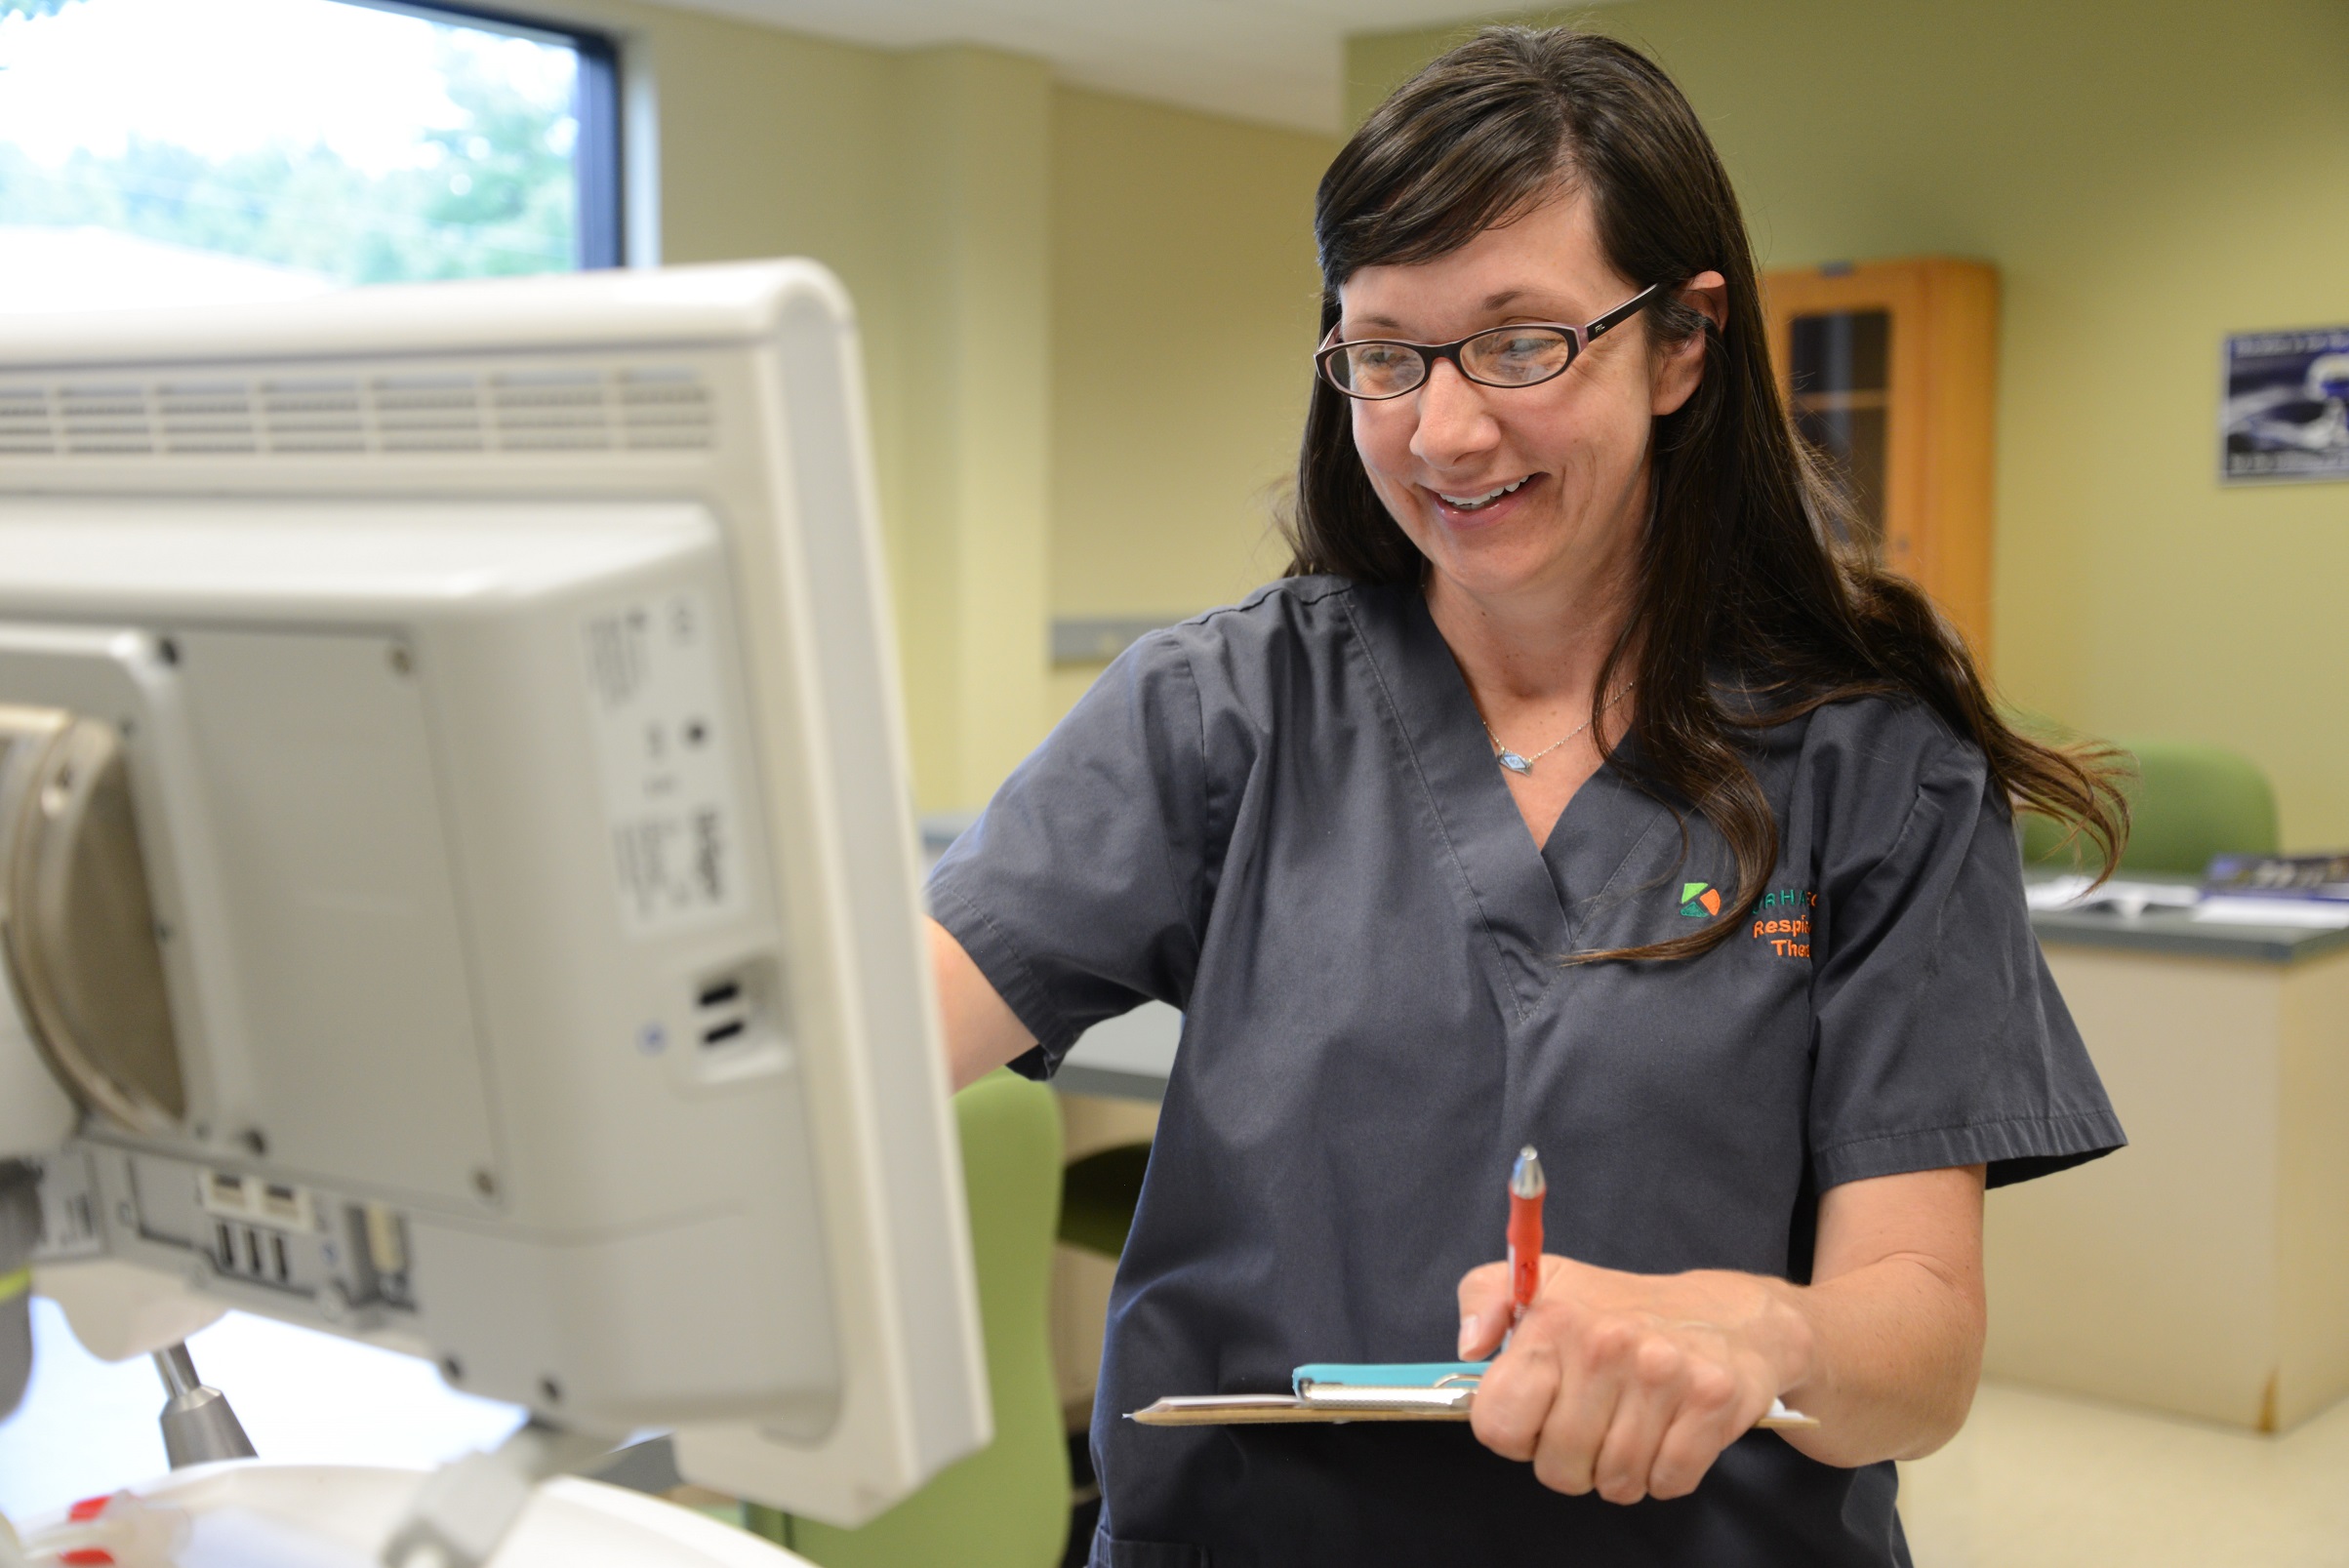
(1699, 901)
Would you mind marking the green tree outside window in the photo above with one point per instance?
(498, 195)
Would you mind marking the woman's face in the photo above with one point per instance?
(1568, 456)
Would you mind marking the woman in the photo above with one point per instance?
(1570, 792)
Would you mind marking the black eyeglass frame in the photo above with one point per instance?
(1578, 339)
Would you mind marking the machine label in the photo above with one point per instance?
(667, 761)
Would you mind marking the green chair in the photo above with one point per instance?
(2188, 802)
(1006, 1506)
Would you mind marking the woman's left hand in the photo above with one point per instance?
(1628, 1385)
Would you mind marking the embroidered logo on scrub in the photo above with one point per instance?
(1699, 901)
(1783, 920)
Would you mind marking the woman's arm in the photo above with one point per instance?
(1632, 1384)
(1895, 1316)
(982, 1032)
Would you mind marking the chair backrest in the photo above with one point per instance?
(2188, 802)
(1006, 1506)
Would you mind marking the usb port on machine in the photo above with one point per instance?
(720, 1033)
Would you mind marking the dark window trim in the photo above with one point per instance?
(598, 157)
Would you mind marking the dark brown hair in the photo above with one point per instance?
(1742, 575)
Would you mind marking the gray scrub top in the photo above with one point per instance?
(1283, 819)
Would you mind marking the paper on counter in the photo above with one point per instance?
(2120, 897)
(2310, 915)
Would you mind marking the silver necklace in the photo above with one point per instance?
(1516, 762)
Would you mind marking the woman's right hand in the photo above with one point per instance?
(1627, 1384)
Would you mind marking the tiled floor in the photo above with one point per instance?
(2037, 1480)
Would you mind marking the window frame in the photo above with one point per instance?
(600, 156)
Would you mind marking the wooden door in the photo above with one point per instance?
(1891, 368)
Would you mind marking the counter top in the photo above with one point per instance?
(1127, 1058)
(2177, 931)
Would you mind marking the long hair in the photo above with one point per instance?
(1743, 571)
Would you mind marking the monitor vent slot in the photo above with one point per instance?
(426, 413)
(206, 417)
(313, 416)
(662, 409)
(520, 412)
(28, 428)
(104, 421)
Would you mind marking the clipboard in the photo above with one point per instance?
(1343, 1391)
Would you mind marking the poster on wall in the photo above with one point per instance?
(2286, 414)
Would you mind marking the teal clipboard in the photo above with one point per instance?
(1385, 1375)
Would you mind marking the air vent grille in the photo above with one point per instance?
(563, 409)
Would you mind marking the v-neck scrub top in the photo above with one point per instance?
(1284, 817)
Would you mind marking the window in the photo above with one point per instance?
(155, 151)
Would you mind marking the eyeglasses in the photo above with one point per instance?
(1523, 355)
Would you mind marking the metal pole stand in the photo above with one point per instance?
(198, 1426)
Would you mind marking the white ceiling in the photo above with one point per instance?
(1274, 61)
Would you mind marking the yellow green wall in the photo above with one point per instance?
(976, 404)
(923, 179)
(2148, 177)
(1011, 244)
(1184, 303)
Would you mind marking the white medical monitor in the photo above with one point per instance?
(455, 842)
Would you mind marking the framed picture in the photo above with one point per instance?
(2286, 408)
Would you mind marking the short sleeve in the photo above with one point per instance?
(1942, 1039)
(1083, 889)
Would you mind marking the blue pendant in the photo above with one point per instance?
(1513, 762)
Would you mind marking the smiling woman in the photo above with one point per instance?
(1528, 504)
(1572, 792)
(1501, 188)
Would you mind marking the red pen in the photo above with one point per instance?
(1527, 1185)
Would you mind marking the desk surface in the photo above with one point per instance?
(2176, 931)
(2173, 931)
(1127, 1057)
